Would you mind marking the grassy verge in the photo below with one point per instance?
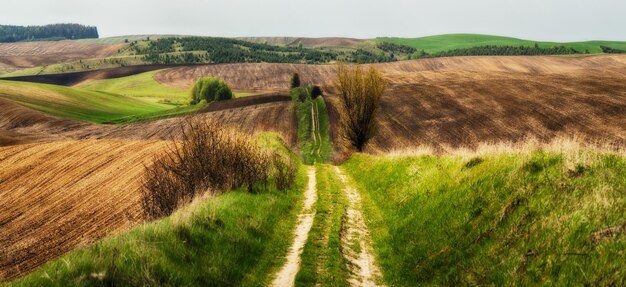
(503, 219)
(236, 238)
(322, 261)
(315, 145)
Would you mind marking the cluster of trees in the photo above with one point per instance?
(501, 51)
(10, 33)
(395, 48)
(210, 89)
(224, 50)
(609, 50)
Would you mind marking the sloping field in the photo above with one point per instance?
(467, 109)
(465, 101)
(60, 195)
(32, 54)
(275, 77)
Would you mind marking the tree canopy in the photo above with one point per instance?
(210, 89)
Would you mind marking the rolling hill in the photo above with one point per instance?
(440, 43)
(76, 104)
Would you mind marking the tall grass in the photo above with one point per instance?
(505, 218)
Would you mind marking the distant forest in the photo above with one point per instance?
(190, 50)
(48, 32)
(195, 50)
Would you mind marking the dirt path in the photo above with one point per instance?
(287, 275)
(355, 242)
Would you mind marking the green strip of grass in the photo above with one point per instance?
(322, 261)
(234, 239)
(502, 219)
(441, 43)
(312, 151)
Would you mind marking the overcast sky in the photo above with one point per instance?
(550, 20)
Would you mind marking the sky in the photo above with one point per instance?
(541, 20)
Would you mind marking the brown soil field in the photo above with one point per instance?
(60, 195)
(252, 115)
(466, 101)
(33, 54)
(78, 182)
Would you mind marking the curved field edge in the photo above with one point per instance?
(235, 238)
(511, 218)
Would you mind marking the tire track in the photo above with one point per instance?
(287, 275)
(356, 246)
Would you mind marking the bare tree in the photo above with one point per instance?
(360, 94)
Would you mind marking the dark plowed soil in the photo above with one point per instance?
(71, 79)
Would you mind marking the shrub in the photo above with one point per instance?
(285, 175)
(359, 98)
(208, 158)
(295, 81)
(210, 89)
(316, 91)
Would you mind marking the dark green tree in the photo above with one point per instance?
(295, 81)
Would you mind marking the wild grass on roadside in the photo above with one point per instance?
(527, 218)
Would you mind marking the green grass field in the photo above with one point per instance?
(233, 239)
(498, 219)
(441, 43)
(77, 104)
(141, 85)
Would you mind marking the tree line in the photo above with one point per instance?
(9, 33)
(609, 50)
(493, 50)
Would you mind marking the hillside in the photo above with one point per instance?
(32, 54)
(440, 43)
(92, 197)
(465, 101)
(76, 104)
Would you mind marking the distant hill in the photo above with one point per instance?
(10, 33)
(440, 43)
